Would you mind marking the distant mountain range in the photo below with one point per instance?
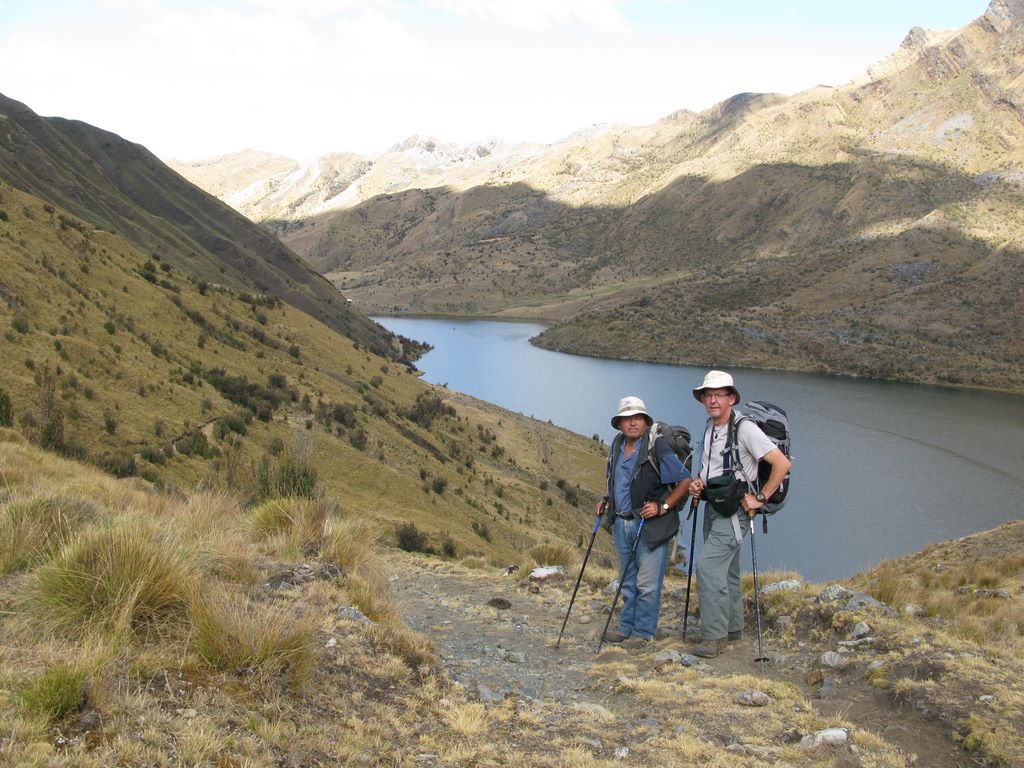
(873, 228)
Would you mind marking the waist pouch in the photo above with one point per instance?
(724, 493)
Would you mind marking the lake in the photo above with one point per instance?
(879, 469)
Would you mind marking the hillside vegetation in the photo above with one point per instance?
(124, 360)
(871, 229)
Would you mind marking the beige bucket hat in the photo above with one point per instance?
(717, 380)
(630, 406)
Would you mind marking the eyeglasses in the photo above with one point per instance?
(714, 395)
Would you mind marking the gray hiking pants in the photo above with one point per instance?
(718, 576)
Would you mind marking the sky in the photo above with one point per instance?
(193, 80)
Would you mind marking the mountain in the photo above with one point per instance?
(121, 187)
(870, 229)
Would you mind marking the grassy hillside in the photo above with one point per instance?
(124, 360)
(122, 188)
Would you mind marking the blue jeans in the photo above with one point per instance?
(641, 584)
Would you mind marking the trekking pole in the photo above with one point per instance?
(597, 524)
(622, 576)
(757, 597)
(689, 569)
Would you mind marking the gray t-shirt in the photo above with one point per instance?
(754, 446)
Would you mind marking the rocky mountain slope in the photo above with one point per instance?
(872, 228)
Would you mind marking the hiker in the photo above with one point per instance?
(643, 483)
(723, 481)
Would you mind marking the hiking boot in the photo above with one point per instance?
(736, 634)
(635, 642)
(614, 636)
(708, 649)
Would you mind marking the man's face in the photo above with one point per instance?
(633, 426)
(717, 402)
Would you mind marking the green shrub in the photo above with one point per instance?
(410, 538)
(6, 410)
(117, 463)
(288, 474)
(194, 444)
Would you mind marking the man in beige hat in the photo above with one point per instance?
(732, 448)
(646, 480)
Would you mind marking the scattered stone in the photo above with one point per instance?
(913, 609)
(488, 696)
(612, 588)
(188, 714)
(351, 613)
(595, 743)
(753, 699)
(1000, 594)
(829, 689)
(848, 645)
(584, 619)
(90, 720)
(833, 593)
(515, 657)
(783, 622)
(689, 660)
(986, 698)
(781, 586)
(829, 736)
(667, 658)
(547, 573)
(501, 603)
(814, 677)
(860, 601)
(833, 660)
(860, 630)
(534, 589)
(331, 643)
(510, 570)
(621, 753)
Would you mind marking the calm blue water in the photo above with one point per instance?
(879, 469)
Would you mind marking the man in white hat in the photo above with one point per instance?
(732, 447)
(646, 480)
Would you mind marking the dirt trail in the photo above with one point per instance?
(499, 651)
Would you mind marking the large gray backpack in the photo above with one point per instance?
(774, 422)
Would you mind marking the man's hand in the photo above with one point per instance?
(696, 487)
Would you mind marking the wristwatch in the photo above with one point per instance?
(761, 497)
(664, 507)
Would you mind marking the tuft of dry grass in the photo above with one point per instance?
(115, 579)
(292, 525)
(394, 637)
(554, 554)
(234, 633)
(353, 543)
(32, 528)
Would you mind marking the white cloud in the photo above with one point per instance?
(193, 79)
